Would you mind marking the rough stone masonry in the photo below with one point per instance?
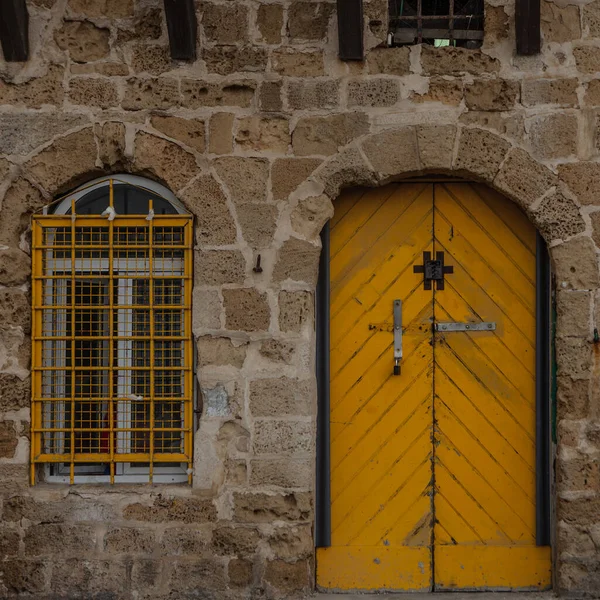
(257, 137)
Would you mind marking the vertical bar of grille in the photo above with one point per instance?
(111, 362)
(152, 345)
(73, 342)
(188, 350)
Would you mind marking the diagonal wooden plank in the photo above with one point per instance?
(344, 203)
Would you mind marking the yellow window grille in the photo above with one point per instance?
(112, 365)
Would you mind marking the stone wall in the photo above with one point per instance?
(257, 137)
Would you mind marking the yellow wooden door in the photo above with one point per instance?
(432, 471)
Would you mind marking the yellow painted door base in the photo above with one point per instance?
(432, 471)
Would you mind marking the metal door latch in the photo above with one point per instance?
(397, 335)
(433, 270)
(488, 326)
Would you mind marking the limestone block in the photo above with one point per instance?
(235, 541)
(184, 541)
(236, 472)
(226, 60)
(578, 509)
(576, 264)
(447, 91)
(153, 59)
(214, 223)
(324, 135)
(553, 136)
(4, 169)
(281, 397)
(87, 578)
(574, 312)
(166, 510)
(20, 201)
(246, 178)
(309, 20)
(84, 41)
(269, 19)
(282, 437)
(573, 397)
(583, 178)
(558, 217)
(220, 140)
(288, 578)
(15, 308)
(220, 351)
(185, 578)
(15, 393)
(562, 92)
(148, 25)
(240, 572)
(269, 96)
(436, 145)
(166, 160)
(296, 63)
(581, 474)
(216, 403)
(113, 9)
(106, 69)
(145, 576)
(376, 13)
(373, 92)
(263, 134)
(206, 312)
(9, 541)
(346, 169)
(258, 223)
(47, 89)
(8, 439)
(295, 310)
(591, 19)
(15, 267)
(266, 508)
(275, 350)
(523, 179)
(72, 155)
(198, 94)
(306, 95)
(392, 152)
(448, 60)
(225, 23)
(286, 473)
(189, 131)
(310, 215)
(574, 357)
(59, 539)
(491, 94)
(246, 309)
(151, 93)
(587, 58)
(297, 260)
(92, 91)
(592, 93)
(389, 61)
(110, 137)
(480, 153)
(288, 173)
(560, 23)
(216, 267)
(595, 218)
(129, 540)
(292, 542)
(510, 124)
(496, 24)
(15, 479)
(25, 576)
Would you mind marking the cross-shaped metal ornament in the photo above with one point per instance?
(433, 270)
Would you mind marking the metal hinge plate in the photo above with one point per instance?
(490, 326)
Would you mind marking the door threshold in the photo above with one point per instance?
(449, 594)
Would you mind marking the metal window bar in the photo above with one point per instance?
(112, 389)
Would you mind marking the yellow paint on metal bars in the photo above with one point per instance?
(112, 355)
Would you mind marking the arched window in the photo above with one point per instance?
(112, 348)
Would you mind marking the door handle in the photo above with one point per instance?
(397, 335)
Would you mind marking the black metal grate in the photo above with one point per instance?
(436, 22)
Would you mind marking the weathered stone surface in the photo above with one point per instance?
(15, 308)
(220, 139)
(580, 474)
(286, 473)
(106, 69)
(583, 178)
(148, 25)
(560, 23)
(9, 541)
(47, 89)
(306, 95)
(72, 509)
(92, 91)
(269, 19)
(189, 131)
(389, 61)
(393, 152)
(310, 216)
(297, 260)
(207, 309)
(346, 169)
(266, 508)
(574, 357)
(309, 20)
(591, 19)
(235, 541)
(225, 23)
(595, 218)
(573, 397)
(196, 93)
(553, 136)
(576, 264)
(436, 145)
(246, 178)
(258, 223)
(592, 93)
(558, 217)
(511, 124)
(587, 58)
(15, 393)
(153, 59)
(8, 439)
(523, 179)
(15, 267)
(448, 60)
(225, 60)
(24, 576)
(187, 577)
(574, 312)
(178, 541)
(373, 92)
(128, 540)
(295, 310)
(491, 94)
(296, 63)
(480, 153)
(324, 135)
(83, 40)
(288, 578)
(220, 351)
(496, 24)
(65, 161)
(292, 542)
(240, 572)
(145, 576)
(88, 578)
(149, 93)
(279, 397)
(19, 202)
(166, 160)
(288, 173)
(269, 96)
(216, 267)
(214, 223)
(115, 9)
(165, 510)
(263, 134)
(246, 309)
(562, 92)
(282, 437)
(59, 539)
(445, 90)
(275, 350)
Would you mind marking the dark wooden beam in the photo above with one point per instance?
(527, 25)
(182, 27)
(350, 29)
(14, 30)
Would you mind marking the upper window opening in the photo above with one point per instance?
(436, 22)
